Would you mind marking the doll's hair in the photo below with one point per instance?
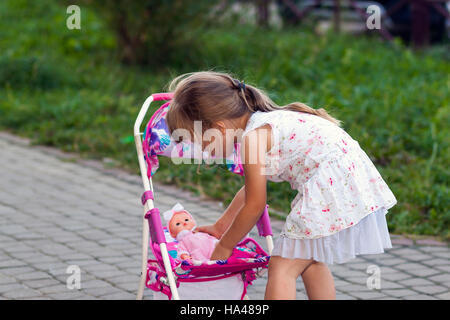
(210, 96)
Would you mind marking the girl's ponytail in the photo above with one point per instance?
(256, 100)
(301, 107)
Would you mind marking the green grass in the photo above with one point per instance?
(65, 88)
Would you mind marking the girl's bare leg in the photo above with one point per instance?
(283, 274)
(319, 283)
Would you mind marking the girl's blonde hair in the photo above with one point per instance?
(210, 97)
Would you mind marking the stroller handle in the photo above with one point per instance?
(263, 224)
(162, 96)
(154, 97)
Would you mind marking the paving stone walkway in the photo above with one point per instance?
(57, 211)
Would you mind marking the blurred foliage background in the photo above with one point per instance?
(81, 90)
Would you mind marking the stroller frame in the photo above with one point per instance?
(151, 221)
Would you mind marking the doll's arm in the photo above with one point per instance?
(185, 256)
(183, 253)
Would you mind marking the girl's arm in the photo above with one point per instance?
(222, 224)
(255, 194)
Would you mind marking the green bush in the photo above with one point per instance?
(30, 72)
(156, 32)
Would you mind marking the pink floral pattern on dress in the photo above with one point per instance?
(337, 183)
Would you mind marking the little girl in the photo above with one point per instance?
(339, 211)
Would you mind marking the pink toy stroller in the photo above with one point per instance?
(167, 274)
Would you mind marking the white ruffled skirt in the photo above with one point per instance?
(369, 236)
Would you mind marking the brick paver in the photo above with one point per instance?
(57, 210)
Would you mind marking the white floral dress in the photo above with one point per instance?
(338, 187)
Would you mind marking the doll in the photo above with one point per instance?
(196, 246)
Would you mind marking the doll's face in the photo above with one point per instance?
(180, 221)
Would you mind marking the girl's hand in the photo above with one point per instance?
(221, 252)
(212, 230)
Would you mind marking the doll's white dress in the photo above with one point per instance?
(339, 211)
